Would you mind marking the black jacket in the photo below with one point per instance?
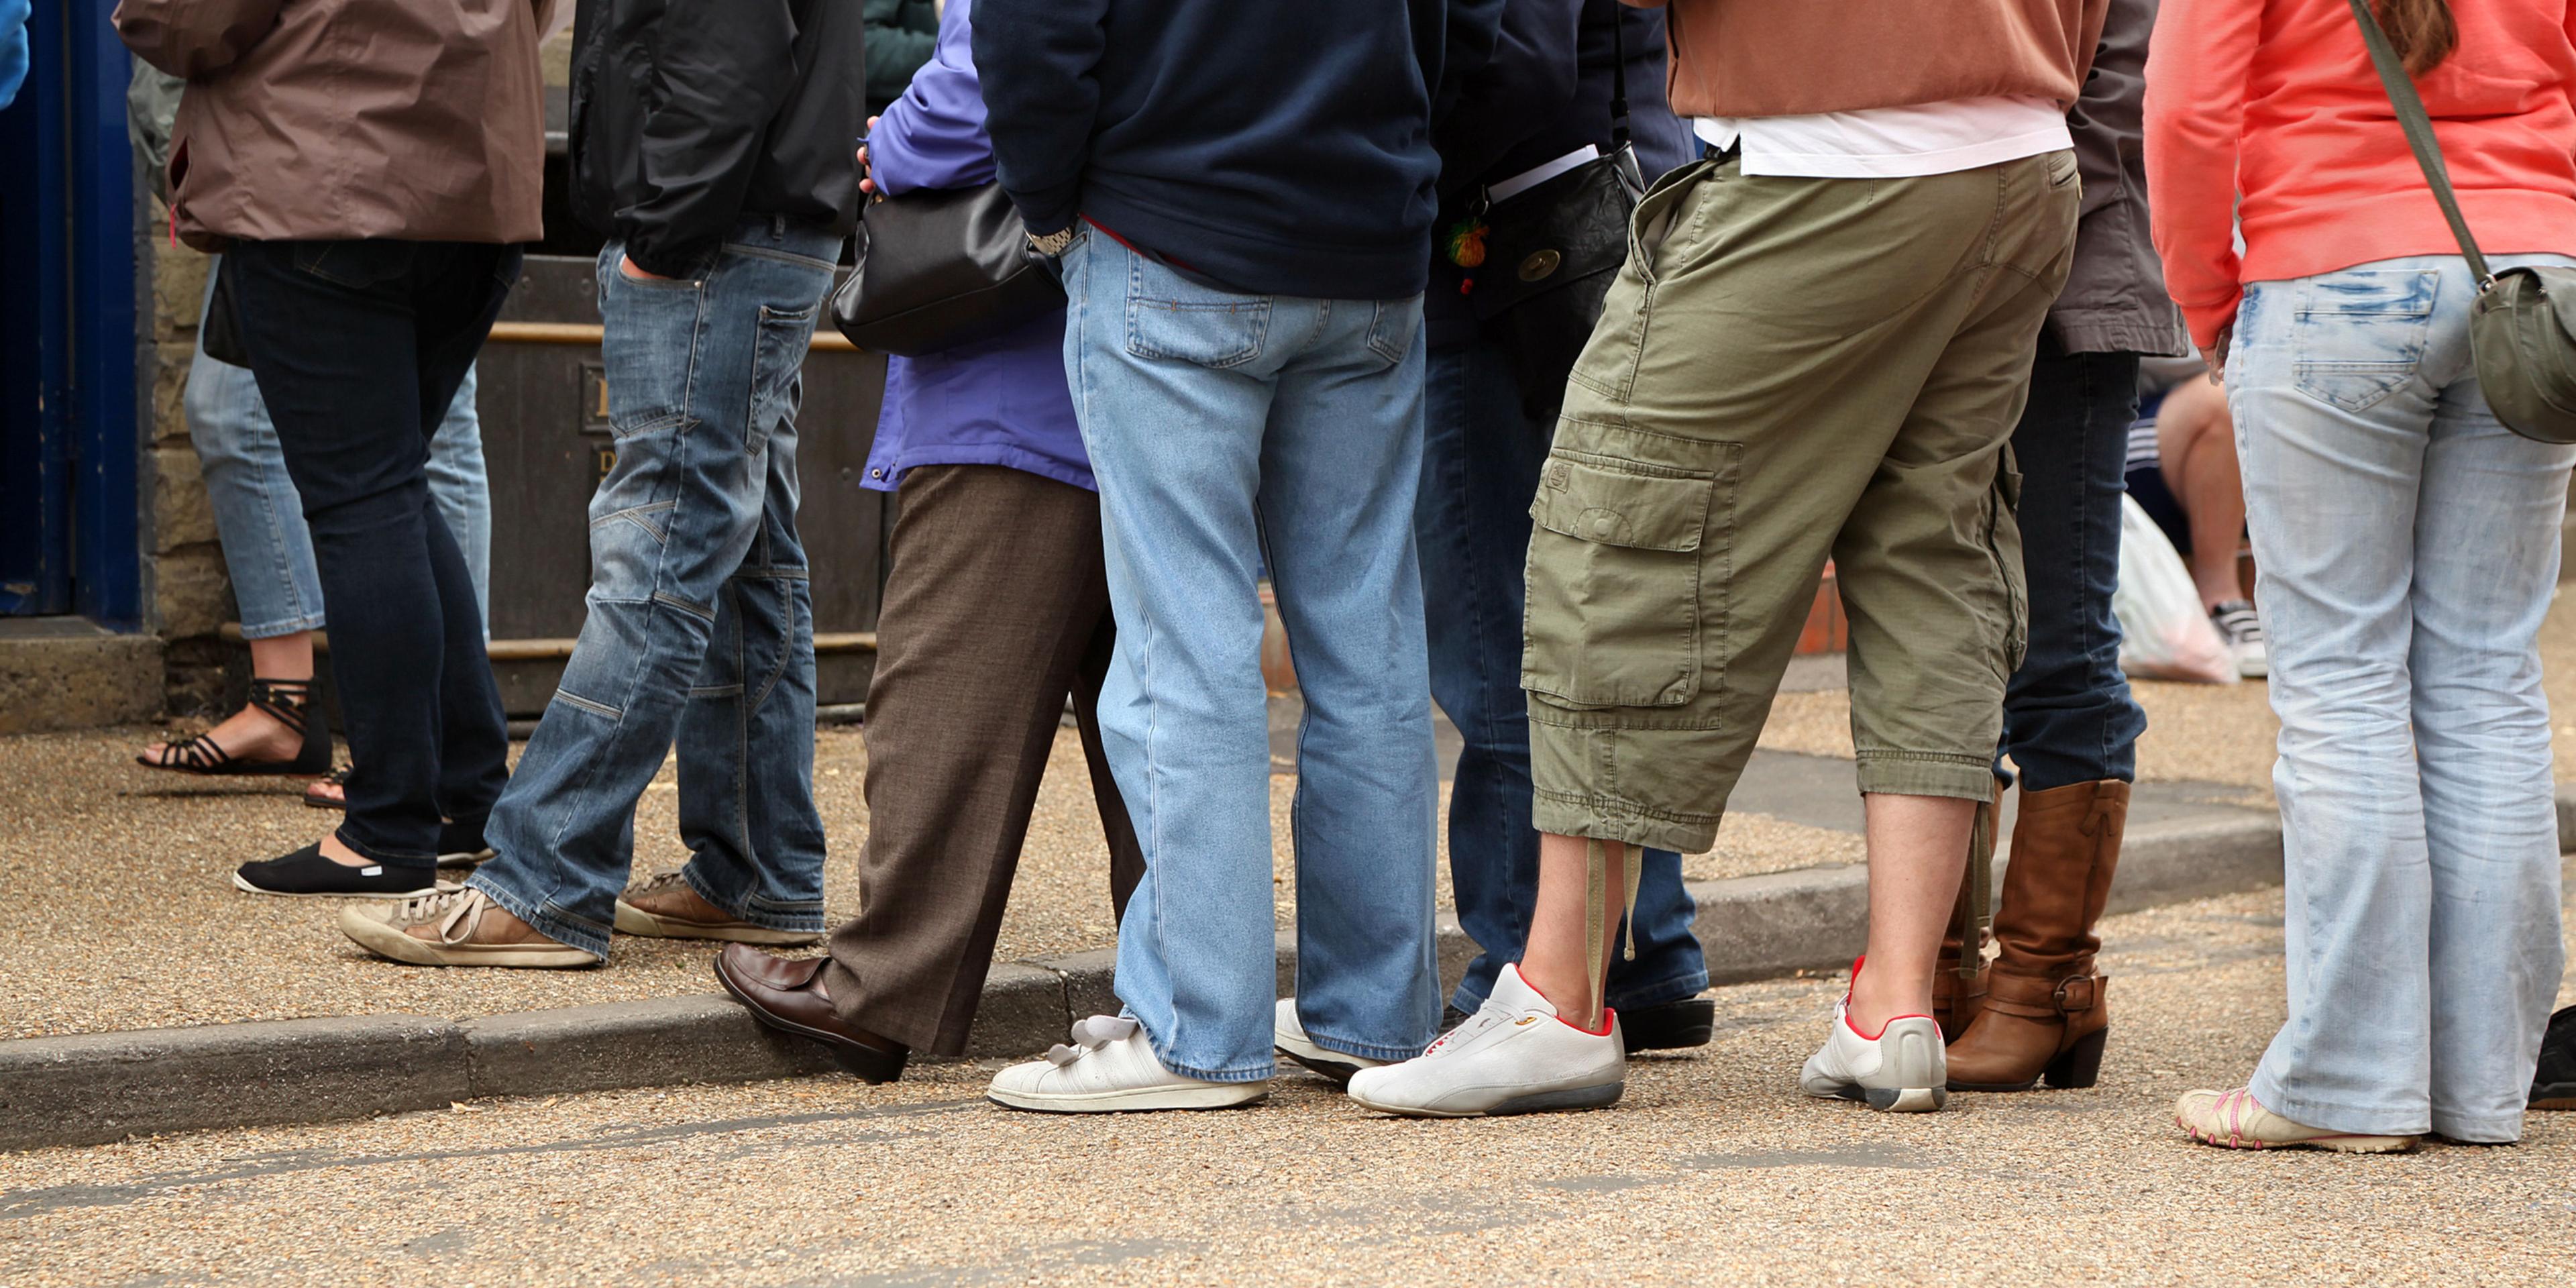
(690, 115)
(1278, 147)
(1546, 92)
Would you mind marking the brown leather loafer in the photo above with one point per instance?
(788, 996)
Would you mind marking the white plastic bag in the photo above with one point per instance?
(2165, 634)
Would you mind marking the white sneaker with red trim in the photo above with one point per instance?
(1513, 1056)
(1903, 1070)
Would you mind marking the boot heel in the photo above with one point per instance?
(2081, 1066)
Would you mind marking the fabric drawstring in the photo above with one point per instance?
(1596, 898)
(1979, 912)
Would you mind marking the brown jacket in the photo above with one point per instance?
(1794, 57)
(417, 120)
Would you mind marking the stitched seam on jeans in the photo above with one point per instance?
(598, 708)
(668, 599)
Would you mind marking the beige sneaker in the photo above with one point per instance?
(665, 907)
(2232, 1120)
(456, 926)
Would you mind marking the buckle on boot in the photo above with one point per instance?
(2079, 993)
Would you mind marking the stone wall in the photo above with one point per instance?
(191, 598)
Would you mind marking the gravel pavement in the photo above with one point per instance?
(1713, 1170)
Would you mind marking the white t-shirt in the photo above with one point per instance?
(1892, 142)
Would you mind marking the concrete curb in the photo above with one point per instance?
(97, 1088)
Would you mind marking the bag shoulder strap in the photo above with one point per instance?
(2419, 135)
(1618, 77)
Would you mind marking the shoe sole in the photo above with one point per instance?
(857, 1059)
(386, 895)
(632, 920)
(1142, 1100)
(385, 941)
(1570, 1100)
(2552, 1099)
(462, 859)
(2338, 1144)
(1887, 1100)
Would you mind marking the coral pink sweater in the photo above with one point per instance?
(2268, 111)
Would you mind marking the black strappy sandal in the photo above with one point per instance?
(288, 702)
(316, 798)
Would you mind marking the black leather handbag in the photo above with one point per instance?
(1551, 252)
(938, 268)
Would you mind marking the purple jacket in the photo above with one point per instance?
(998, 402)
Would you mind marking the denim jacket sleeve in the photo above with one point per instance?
(934, 137)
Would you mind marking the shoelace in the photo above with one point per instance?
(1091, 1035)
(661, 881)
(451, 905)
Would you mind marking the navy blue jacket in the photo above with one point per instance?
(1546, 92)
(1277, 147)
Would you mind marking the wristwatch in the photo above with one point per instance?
(1053, 244)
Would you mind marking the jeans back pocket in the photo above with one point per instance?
(1614, 616)
(2359, 334)
(1172, 317)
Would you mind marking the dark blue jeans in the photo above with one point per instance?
(358, 348)
(2068, 716)
(1481, 456)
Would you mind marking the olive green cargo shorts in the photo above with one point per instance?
(1789, 370)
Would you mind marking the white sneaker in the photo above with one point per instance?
(1110, 1068)
(1904, 1070)
(1288, 1035)
(1513, 1056)
(2242, 628)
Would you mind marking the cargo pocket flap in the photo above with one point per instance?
(1616, 508)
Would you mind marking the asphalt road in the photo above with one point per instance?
(1712, 1170)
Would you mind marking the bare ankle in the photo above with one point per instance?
(1879, 995)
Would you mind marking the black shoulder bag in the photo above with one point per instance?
(2522, 330)
(1549, 254)
(939, 268)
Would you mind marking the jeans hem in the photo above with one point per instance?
(1366, 1050)
(376, 854)
(2356, 1119)
(568, 933)
(2505, 1130)
(805, 921)
(291, 626)
(1970, 778)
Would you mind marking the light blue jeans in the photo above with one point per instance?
(701, 624)
(259, 520)
(1222, 427)
(2409, 545)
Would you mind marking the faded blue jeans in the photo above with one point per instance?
(259, 520)
(1481, 456)
(1221, 428)
(701, 624)
(2409, 545)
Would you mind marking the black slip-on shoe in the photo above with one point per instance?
(306, 874)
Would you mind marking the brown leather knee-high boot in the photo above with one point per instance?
(2044, 1014)
(1959, 975)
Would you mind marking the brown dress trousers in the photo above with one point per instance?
(996, 608)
